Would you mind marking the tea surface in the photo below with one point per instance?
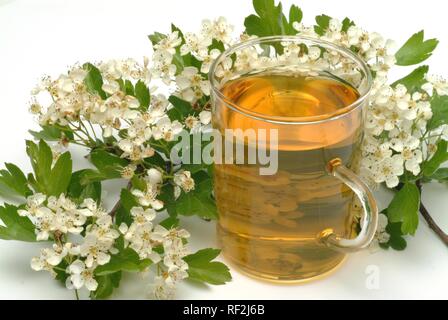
(290, 96)
(268, 225)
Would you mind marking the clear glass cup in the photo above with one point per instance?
(301, 221)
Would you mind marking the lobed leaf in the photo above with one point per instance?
(48, 179)
(106, 285)
(16, 227)
(404, 208)
(439, 106)
(201, 267)
(78, 191)
(127, 202)
(414, 80)
(14, 181)
(415, 50)
(198, 201)
(94, 80)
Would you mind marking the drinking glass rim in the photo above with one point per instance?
(284, 119)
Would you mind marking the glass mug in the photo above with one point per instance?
(301, 221)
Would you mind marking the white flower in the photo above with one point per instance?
(148, 196)
(192, 86)
(196, 44)
(142, 216)
(161, 290)
(388, 171)
(205, 117)
(381, 235)
(104, 231)
(333, 33)
(94, 250)
(218, 29)
(34, 206)
(91, 208)
(436, 83)
(166, 129)
(183, 179)
(191, 122)
(163, 67)
(111, 87)
(154, 176)
(169, 43)
(224, 70)
(412, 160)
(207, 59)
(80, 276)
(128, 171)
(171, 239)
(140, 239)
(304, 30)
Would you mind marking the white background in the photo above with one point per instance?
(43, 37)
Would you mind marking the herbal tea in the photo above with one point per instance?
(268, 225)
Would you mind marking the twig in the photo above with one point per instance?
(431, 223)
(117, 205)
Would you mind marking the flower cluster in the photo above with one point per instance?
(85, 237)
(63, 221)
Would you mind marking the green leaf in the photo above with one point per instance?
(439, 106)
(322, 24)
(404, 208)
(52, 133)
(198, 201)
(441, 156)
(142, 94)
(108, 164)
(126, 260)
(106, 285)
(295, 14)
(397, 243)
(170, 222)
(396, 240)
(156, 37)
(127, 202)
(94, 80)
(202, 268)
(79, 192)
(16, 227)
(415, 50)
(217, 44)
(49, 180)
(270, 19)
(180, 110)
(414, 80)
(156, 161)
(60, 175)
(14, 180)
(346, 24)
(167, 196)
(138, 183)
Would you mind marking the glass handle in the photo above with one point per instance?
(369, 219)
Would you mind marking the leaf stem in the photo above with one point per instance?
(431, 223)
(76, 294)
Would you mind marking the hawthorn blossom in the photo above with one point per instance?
(81, 276)
(183, 179)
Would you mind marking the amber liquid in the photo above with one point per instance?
(269, 225)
